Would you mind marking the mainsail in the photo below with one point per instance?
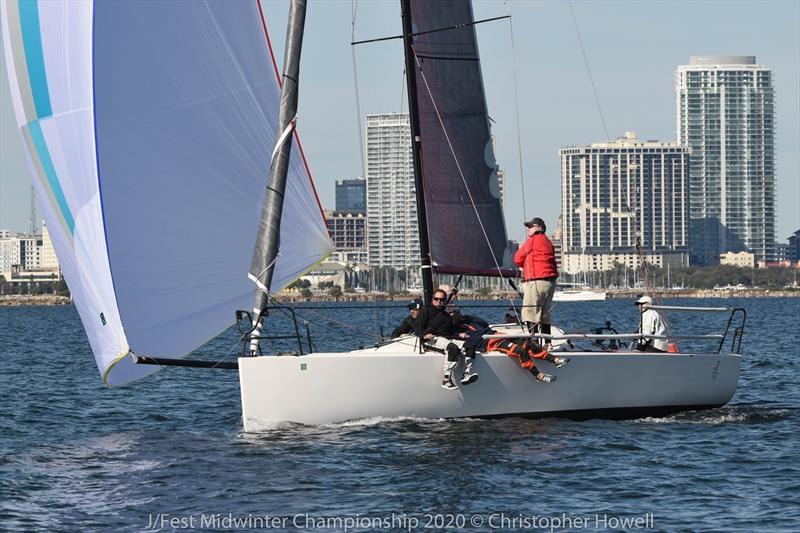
(149, 128)
(462, 196)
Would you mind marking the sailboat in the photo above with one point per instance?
(151, 128)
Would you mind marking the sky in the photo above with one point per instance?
(633, 49)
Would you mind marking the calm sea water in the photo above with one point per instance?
(169, 451)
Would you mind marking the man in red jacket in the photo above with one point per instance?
(538, 261)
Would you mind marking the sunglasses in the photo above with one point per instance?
(435, 299)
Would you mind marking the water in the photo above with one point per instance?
(79, 456)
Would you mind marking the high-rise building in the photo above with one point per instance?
(793, 250)
(351, 195)
(726, 115)
(348, 232)
(617, 194)
(392, 233)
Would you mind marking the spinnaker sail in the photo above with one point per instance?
(149, 128)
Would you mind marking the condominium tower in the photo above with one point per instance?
(726, 115)
(392, 233)
(619, 194)
(351, 195)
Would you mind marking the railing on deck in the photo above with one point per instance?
(736, 342)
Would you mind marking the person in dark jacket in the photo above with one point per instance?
(409, 323)
(438, 332)
(539, 271)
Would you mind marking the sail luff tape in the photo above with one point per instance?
(286, 132)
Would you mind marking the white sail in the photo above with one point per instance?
(149, 128)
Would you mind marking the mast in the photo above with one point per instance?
(416, 152)
(267, 243)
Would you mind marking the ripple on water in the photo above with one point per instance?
(79, 456)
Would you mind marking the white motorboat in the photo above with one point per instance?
(579, 295)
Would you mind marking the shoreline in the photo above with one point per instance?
(28, 300)
(53, 300)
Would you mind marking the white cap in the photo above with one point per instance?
(644, 300)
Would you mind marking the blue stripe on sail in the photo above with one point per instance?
(34, 56)
(47, 164)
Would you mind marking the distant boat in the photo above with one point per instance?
(579, 295)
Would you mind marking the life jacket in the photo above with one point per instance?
(516, 349)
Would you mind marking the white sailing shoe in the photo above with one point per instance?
(447, 383)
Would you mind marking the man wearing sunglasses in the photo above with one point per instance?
(438, 332)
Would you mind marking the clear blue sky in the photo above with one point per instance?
(633, 48)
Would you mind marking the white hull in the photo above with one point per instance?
(579, 296)
(393, 381)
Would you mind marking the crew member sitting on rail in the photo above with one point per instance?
(438, 332)
(409, 323)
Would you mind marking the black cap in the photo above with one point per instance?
(415, 304)
(536, 222)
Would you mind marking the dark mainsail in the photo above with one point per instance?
(448, 80)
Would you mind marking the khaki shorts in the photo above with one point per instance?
(537, 300)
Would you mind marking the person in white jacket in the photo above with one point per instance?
(651, 324)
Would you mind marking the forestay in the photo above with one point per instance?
(149, 128)
(458, 163)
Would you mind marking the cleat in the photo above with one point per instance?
(469, 376)
(545, 378)
(447, 383)
(560, 361)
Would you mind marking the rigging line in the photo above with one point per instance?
(324, 315)
(458, 166)
(516, 109)
(327, 317)
(588, 70)
(354, 8)
(454, 27)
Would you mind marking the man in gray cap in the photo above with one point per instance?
(651, 324)
(537, 258)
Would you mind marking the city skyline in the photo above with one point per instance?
(633, 64)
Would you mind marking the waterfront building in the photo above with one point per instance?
(392, 234)
(726, 115)
(47, 254)
(793, 251)
(351, 195)
(348, 232)
(617, 194)
(27, 252)
(21, 251)
(738, 259)
(782, 252)
(557, 238)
